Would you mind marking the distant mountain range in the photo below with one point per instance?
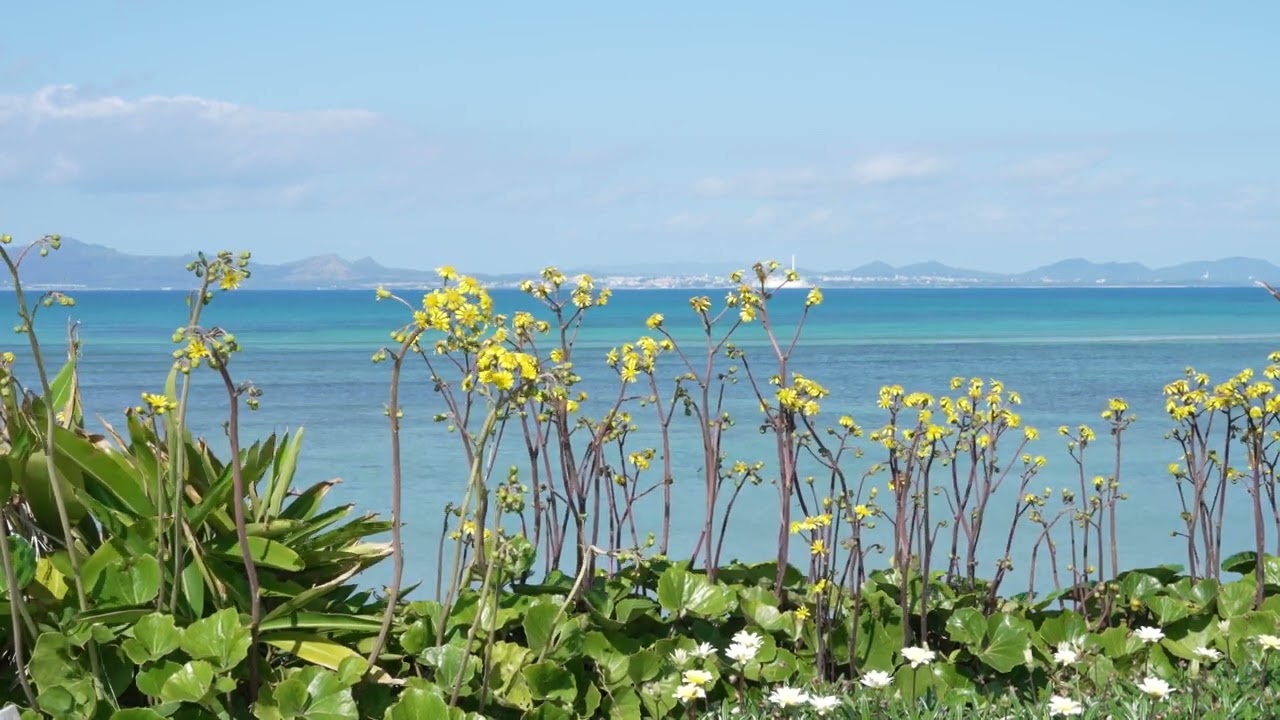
(81, 265)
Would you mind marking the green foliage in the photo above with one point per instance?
(152, 578)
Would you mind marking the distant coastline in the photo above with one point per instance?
(84, 266)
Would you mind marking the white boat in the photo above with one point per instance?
(778, 280)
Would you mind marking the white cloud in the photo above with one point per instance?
(67, 136)
(892, 167)
(1055, 166)
(681, 220)
(712, 187)
(820, 216)
(762, 217)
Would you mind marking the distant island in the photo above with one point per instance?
(85, 266)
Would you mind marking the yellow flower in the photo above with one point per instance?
(230, 280)
(447, 272)
(818, 547)
(862, 511)
(654, 322)
(159, 404)
(383, 293)
(814, 298)
(802, 613)
(697, 678)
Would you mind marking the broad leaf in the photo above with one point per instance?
(191, 683)
(416, 703)
(1008, 639)
(154, 636)
(220, 638)
(967, 626)
(680, 591)
(550, 681)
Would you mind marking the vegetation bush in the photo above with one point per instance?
(145, 577)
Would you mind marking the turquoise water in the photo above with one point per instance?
(1065, 350)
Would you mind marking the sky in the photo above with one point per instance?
(501, 137)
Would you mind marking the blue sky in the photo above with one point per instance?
(505, 136)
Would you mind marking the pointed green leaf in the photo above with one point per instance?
(266, 553)
(286, 463)
(106, 478)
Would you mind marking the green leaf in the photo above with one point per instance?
(1008, 639)
(54, 661)
(416, 703)
(1235, 598)
(1168, 610)
(282, 471)
(109, 480)
(680, 591)
(967, 626)
(220, 638)
(154, 636)
(538, 625)
(24, 562)
(1245, 564)
(152, 680)
(136, 714)
(190, 683)
(305, 505)
(329, 621)
(1065, 627)
(451, 663)
(136, 582)
(265, 553)
(644, 666)
(550, 681)
(314, 649)
(193, 588)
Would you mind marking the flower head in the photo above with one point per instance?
(823, 704)
(741, 654)
(1149, 634)
(1206, 653)
(876, 679)
(1269, 642)
(688, 693)
(1155, 687)
(696, 677)
(1066, 655)
(1059, 705)
(786, 697)
(704, 651)
(749, 639)
(680, 657)
(918, 656)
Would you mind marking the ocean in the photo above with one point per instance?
(1066, 350)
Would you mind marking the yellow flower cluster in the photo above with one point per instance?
(811, 523)
(503, 369)
(583, 294)
(802, 396)
(638, 358)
